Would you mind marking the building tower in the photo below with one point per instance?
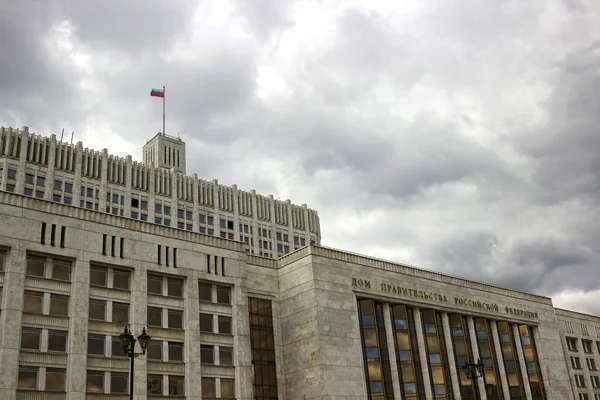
(164, 151)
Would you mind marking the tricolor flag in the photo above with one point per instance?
(158, 93)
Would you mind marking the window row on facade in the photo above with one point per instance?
(470, 338)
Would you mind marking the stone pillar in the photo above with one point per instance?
(193, 368)
(151, 193)
(195, 213)
(535, 330)
(422, 353)
(500, 360)
(24, 134)
(217, 216)
(78, 329)
(77, 177)
(389, 334)
(174, 197)
(256, 234)
(451, 357)
(522, 363)
(290, 224)
(236, 213)
(306, 224)
(49, 187)
(128, 173)
(242, 350)
(272, 219)
(138, 318)
(475, 348)
(103, 180)
(11, 317)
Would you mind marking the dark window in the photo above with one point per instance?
(224, 325)
(57, 341)
(30, 338)
(223, 294)
(95, 382)
(61, 270)
(175, 319)
(28, 377)
(155, 350)
(59, 305)
(56, 379)
(175, 287)
(175, 351)
(97, 309)
(36, 266)
(117, 347)
(95, 344)
(225, 355)
(205, 291)
(118, 382)
(155, 385)
(209, 388)
(154, 316)
(207, 354)
(120, 312)
(121, 279)
(98, 276)
(155, 284)
(57, 185)
(206, 323)
(263, 349)
(176, 386)
(32, 302)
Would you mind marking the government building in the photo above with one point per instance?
(239, 297)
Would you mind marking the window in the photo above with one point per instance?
(120, 312)
(33, 302)
(155, 284)
(35, 266)
(154, 316)
(97, 309)
(98, 276)
(591, 363)
(176, 386)
(206, 323)
(208, 387)
(575, 363)
(29, 178)
(262, 346)
(587, 346)
(28, 377)
(205, 291)
(57, 341)
(579, 381)
(572, 344)
(117, 347)
(56, 379)
(227, 389)
(2, 260)
(30, 338)
(61, 270)
(595, 381)
(224, 325)
(175, 319)
(154, 351)
(223, 294)
(59, 305)
(121, 279)
(95, 344)
(225, 355)
(207, 354)
(175, 287)
(583, 396)
(155, 385)
(95, 382)
(175, 351)
(118, 382)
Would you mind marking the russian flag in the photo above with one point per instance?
(158, 93)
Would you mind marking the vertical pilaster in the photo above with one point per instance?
(104, 180)
(273, 224)
(78, 328)
(475, 348)
(138, 319)
(195, 214)
(256, 234)
(193, 368)
(500, 359)
(422, 353)
(217, 216)
(49, 187)
(77, 177)
(24, 135)
(128, 174)
(389, 334)
(174, 196)
(12, 314)
(236, 213)
(290, 223)
(151, 193)
(522, 363)
(242, 350)
(451, 357)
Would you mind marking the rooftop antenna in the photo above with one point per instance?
(61, 135)
(72, 133)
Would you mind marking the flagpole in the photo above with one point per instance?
(164, 95)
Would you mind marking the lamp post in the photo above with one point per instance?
(474, 372)
(128, 342)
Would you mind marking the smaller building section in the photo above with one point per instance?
(580, 337)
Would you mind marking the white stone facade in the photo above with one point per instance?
(156, 190)
(57, 327)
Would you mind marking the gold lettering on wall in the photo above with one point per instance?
(476, 304)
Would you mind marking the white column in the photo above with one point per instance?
(389, 334)
(255, 235)
(195, 214)
(103, 181)
(236, 213)
(500, 359)
(475, 348)
(522, 363)
(78, 149)
(49, 187)
(193, 368)
(24, 134)
(12, 313)
(422, 353)
(78, 328)
(451, 356)
(138, 319)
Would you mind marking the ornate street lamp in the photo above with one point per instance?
(128, 342)
(474, 372)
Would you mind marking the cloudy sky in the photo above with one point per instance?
(458, 136)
